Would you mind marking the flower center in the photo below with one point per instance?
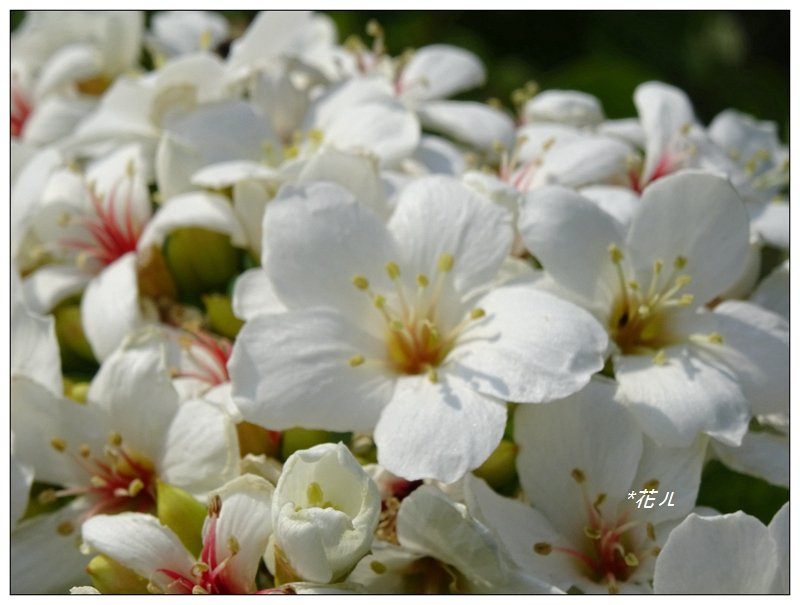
(206, 357)
(415, 344)
(612, 550)
(20, 110)
(207, 575)
(111, 235)
(118, 480)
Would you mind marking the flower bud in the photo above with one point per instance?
(499, 470)
(220, 315)
(324, 514)
(183, 514)
(200, 260)
(109, 577)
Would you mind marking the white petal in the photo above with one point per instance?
(468, 122)
(779, 530)
(439, 215)
(695, 215)
(440, 156)
(69, 64)
(530, 347)
(727, 554)
(245, 517)
(676, 470)
(139, 542)
(49, 285)
(293, 369)
(437, 431)
(519, 527)
(771, 222)
(690, 393)
(762, 454)
(200, 209)
(439, 71)
(356, 173)
(351, 239)
(253, 295)
(110, 306)
(773, 292)
(227, 174)
(54, 119)
(619, 202)
(663, 111)
(582, 162)
(44, 561)
(135, 387)
(176, 161)
(757, 347)
(249, 203)
(201, 449)
(21, 478)
(570, 236)
(385, 129)
(270, 34)
(588, 431)
(34, 348)
(429, 522)
(564, 106)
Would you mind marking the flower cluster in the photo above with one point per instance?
(286, 318)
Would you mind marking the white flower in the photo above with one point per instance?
(392, 327)
(109, 453)
(324, 514)
(730, 554)
(675, 364)
(579, 460)
(235, 535)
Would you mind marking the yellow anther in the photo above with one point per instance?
(548, 143)
(379, 301)
(542, 548)
(433, 376)
(130, 169)
(422, 280)
(656, 551)
(683, 280)
(715, 338)
(599, 500)
(65, 528)
(651, 531)
(686, 128)
(360, 282)
(84, 450)
(199, 568)
(498, 147)
(377, 567)
(616, 253)
(314, 494)
(134, 487)
(291, 152)
(205, 40)
(680, 262)
(392, 270)
(197, 589)
(316, 136)
(114, 438)
(63, 219)
(233, 545)
(578, 475)
(58, 444)
(660, 358)
(97, 481)
(374, 28)
(354, 43)
(686, 299)
(477, 313)
(643, 310)
(652, 484)
(633, 285)
(631, 560)
(591, 533)
(355, 360)
(658, 265)
(446, 261)
(396, 325)
(48, 496)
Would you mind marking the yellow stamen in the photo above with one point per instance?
(356, 360)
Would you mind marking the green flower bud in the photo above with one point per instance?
(220, 315)
(200, 261)
(183, 514)
(302, 439)
(109, 577)
(75, 349)
(499, 470)
(254, 439)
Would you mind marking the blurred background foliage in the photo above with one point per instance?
(721, 59)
